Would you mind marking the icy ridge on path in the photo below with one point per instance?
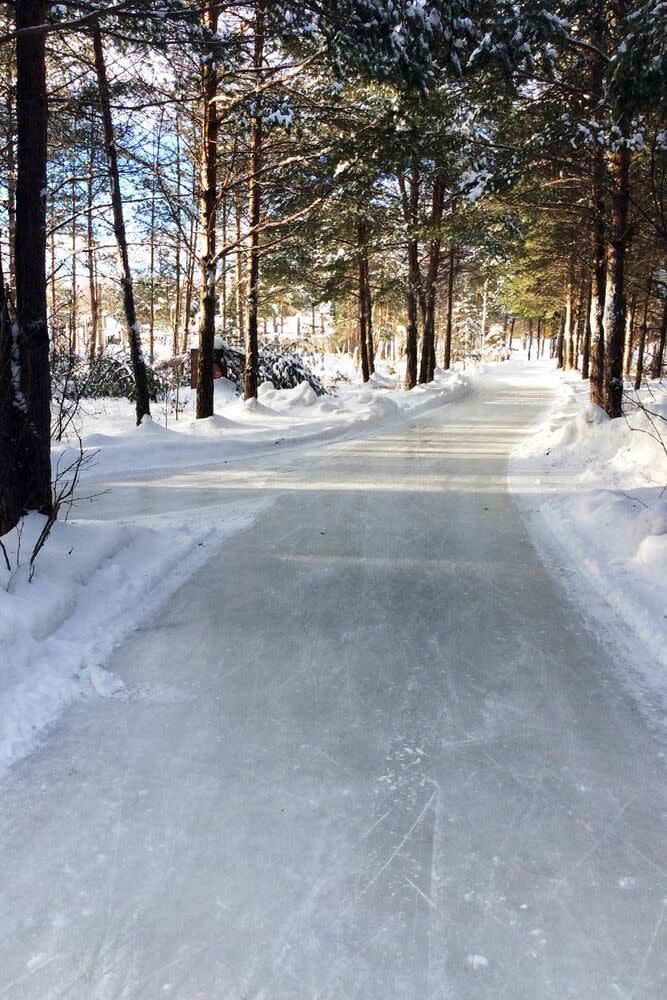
(372, 751)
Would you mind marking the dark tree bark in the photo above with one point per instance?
(369, 317)
(254, 211)
(11, 180)
(362, 314)
(642, 339)
(208, 205)
(92, 284)
(560, 341)
(659, 352)
(410, 211)
(530, 337)
(568, 347)
(240, 309)
(614, 316)
(586, 346)
(628, 346)
(599, 221)
(136, 353)
(512, 322)
(427, 363)
(450, 310)
(25, 389)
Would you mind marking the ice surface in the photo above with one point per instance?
(396, 765)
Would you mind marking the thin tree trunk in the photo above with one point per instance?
(363, 342)
(450, 309)
(614, 316)
(485, 303)
(223, 262)
(190, 279)
(530, 336)
(586, 346)
(427, 364)
(599, 227)
(569, 321)
(659, 353)
(411, 206)
(628, 345)
(512, 322)
(92, 286)
(208, 206)
(254, 213)
(177, 264)
(151, 302)
(642, 339)
(240, 293)
(73, 288)
(136, 353)
(11, 181)
(539, 337)
(560, 341)
(369, 318)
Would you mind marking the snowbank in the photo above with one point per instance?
(596, 491)
(116, 560)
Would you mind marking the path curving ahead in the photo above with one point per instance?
(371, 751)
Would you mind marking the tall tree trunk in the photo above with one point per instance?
(568, 348)
(251, 374)
(642, 339)
(92, 285)
(427, 364)
(530, 336)
(485, 307)
(538, 345)
(628, 346)
(11, 180)
(223, 262)
(25, 389)
(512, 322)
(73, 286)
(177, 263)
(560, 340)
(208, 205)
(190, 278)
(447, 362)
(599, 223)
(578, 316)
(369, 318)
(614, 314)
(136, 353)
(410, 211)
(240, 294)
(659, 352)
(362, 313)
(586, 347)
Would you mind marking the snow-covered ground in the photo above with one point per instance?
(116, 559)
(596, 491)
(371, 751)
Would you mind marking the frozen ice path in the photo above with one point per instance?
(371, 751)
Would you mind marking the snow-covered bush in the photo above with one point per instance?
(107, 374)
(283, 370)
